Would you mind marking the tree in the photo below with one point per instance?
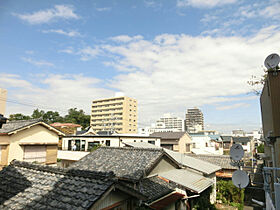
(37, 114)
(260, 148)
(18, 116)
(78, 117)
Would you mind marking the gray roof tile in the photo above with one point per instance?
(168, 135)
(127, 163)
(17, 124)
(28, 186)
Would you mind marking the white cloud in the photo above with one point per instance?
(68, 50)
(29, 52)
(67, 91)
(89, 53)
(48, 15)
(203, 3)
(233, 106)
(125, 38)
(103, 9)
(60, 31)
(37, 63)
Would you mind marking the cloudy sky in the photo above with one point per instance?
(169, 55)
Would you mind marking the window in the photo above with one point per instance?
(35, 154)
(188, 147)
(151, 142)
(107, 143)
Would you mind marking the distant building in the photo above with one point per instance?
(117, 114)
(3, 100)
(67, 128)
(168, 123)
(238, 132)
(194, 121)
(176, 141)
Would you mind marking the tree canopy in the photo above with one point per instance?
(74, 116)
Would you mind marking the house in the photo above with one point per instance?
(67, 128)
(246, 142)
(223, 161)
(88, 140)
(148, 170)
(176, 141)
(28, 140)
(30, 186)
(204, 143)
(227, 143)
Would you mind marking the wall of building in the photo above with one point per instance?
(3, 97)
(36, 134)
(162, 166)
(118, 114)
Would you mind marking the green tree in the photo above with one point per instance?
(51, 117)
(37, 114)
(78, 117)
(18, 116)
(260, 148)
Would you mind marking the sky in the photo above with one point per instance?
(169, 55)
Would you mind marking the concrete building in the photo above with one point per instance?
(194, 121)
(168, 123)
(3, 99)
(117, 114)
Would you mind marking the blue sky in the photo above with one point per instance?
(169, 55)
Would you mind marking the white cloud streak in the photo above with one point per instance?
(62, 32)
(39, 63)
(203, 3)
(48, 15)
(233, 106)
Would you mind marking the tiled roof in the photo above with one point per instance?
(168, 135)
(17, 124)
(242, 139)
(57, 124)
(186, 178)
(28, 186)
(186, 161)
(226, 138)
(196, 164)
(221, 160)
(153, 187)
(140, 145)
(125, 162)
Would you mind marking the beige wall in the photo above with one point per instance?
(3, 98)
(185, 139)
(162, 166)
(36, 134)
(122, 111)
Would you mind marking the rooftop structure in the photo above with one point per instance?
(194, 121)
(117, 114)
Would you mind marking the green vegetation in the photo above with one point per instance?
(73, 116)
(203, 201)
(229, 194)
(260, 148)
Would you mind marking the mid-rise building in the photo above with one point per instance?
(168, 123)
(3, 100)
(118, 114)
(194, 121)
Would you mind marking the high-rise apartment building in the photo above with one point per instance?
(168, 123)
(117, 114)
(3, 100)
(194, 121)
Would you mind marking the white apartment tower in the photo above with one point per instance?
(168, 123)
(194, 121)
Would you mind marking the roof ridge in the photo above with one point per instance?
(29, 120)
(132, 148)
(62, 171)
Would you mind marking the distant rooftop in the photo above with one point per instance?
(168, 135)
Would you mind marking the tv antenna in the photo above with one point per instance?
(240, 179)
(271, 62)
(236, 152)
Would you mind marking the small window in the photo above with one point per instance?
(107, 143)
